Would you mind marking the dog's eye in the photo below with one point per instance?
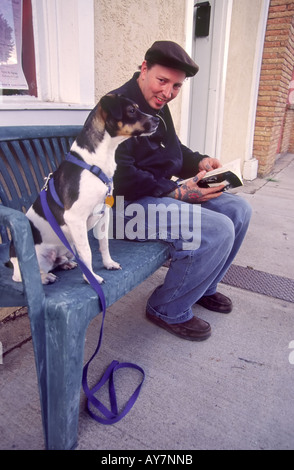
(132, 108)
(131, 111)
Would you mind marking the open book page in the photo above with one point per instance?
(234, 167)
(229, 174)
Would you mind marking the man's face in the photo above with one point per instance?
(160, 84)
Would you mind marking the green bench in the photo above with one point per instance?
(59, 313)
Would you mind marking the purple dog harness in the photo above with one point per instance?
(113, 415)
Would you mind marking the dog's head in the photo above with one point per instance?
(124, 118)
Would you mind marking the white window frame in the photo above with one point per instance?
(64, 52)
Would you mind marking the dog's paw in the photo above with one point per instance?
(68, 265)
(48, 278)
(16, 278)
(112, 265)
(98, 278)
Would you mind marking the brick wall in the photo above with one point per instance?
(291, 141)
(287, 133)
(274, 125)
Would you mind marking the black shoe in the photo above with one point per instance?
(216, 302)
(192, 330)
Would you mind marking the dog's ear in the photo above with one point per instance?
(111, 104)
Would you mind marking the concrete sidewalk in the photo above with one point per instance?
(233, 391)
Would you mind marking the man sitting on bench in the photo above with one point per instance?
(211, 225)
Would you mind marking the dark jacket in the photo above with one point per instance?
(144, 166)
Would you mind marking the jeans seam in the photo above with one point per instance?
(188, 268)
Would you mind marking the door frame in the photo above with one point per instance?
(220, 31)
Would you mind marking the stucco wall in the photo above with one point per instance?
(124, 30)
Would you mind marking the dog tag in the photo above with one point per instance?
(109, 200)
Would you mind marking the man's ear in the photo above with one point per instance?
(111, 104)
(143, 69)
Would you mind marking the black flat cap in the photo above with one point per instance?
(170, 54)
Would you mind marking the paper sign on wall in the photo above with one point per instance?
(11, 72)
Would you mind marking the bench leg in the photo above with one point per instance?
(60, 373)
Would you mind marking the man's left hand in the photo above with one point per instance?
(209, 164)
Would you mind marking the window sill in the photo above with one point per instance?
(27, 103)
(37, 113)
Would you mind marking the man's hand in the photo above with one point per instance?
(192, 193)
(209, 164)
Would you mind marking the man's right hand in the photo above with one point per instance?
(194, 194)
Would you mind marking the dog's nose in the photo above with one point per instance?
(152, 124)
(155, 122)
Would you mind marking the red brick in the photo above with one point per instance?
(276, 8)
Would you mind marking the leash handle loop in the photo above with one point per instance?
(111, 416)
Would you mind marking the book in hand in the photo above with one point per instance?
(229, 175)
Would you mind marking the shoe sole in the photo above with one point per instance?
(215, 309)
(165, 326)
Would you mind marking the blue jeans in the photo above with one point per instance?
(204, 240)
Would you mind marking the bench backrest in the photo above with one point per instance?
(27, 155)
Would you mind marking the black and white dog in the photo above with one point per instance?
(80, 192)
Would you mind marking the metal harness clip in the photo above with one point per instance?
(47, 179)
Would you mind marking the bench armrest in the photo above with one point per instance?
(21, 233)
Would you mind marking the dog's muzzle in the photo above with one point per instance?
(152, 124)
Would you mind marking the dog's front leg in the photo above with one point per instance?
(79, 237)
(102, 235)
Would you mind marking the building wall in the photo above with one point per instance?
(124, 30)
(110, 39)
(276, 74)
(291, 139)
(287, 139)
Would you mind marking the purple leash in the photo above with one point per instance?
(111, 416)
